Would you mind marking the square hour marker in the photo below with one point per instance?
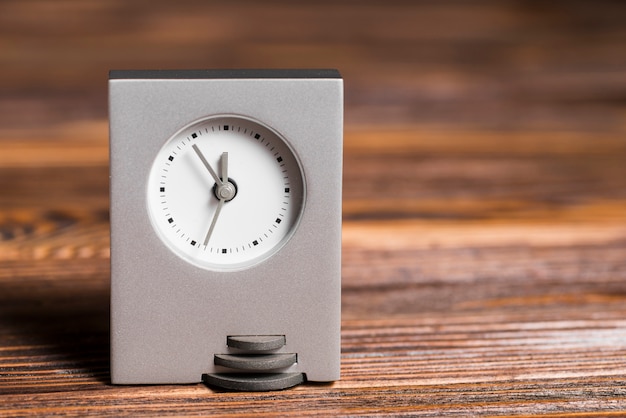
(223, 250)
(225, 127)
(170, 158)
(286, 189)
(170, 220)
(255, 242)
(278, 220)
(162, 189)
(257, 136)
(193, 243)
(279, 159)
(194, 136)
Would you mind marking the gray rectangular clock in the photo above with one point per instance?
(226, 227)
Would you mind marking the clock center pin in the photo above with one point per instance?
(226, 191)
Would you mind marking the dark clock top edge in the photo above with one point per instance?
(223, 74)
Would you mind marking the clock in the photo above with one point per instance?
(225, 192)
(225, 227)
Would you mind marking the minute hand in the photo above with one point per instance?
(207, 165)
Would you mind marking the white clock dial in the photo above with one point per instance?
(225, 193)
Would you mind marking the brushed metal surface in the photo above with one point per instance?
(168, 317)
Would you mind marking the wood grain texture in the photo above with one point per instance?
(484, 239)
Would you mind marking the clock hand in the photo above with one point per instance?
(224, 162)
(207, 165)
(215, 216)
(224, 189)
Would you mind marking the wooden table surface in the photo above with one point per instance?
(484, 237)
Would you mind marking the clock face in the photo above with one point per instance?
(225, 193)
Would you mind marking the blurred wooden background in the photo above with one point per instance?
(489, 277)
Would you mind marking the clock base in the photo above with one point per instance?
(256, 367)
(254, 382)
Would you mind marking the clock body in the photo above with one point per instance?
(225, 220)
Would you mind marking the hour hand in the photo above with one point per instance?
(207, 165)
(224, 161)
